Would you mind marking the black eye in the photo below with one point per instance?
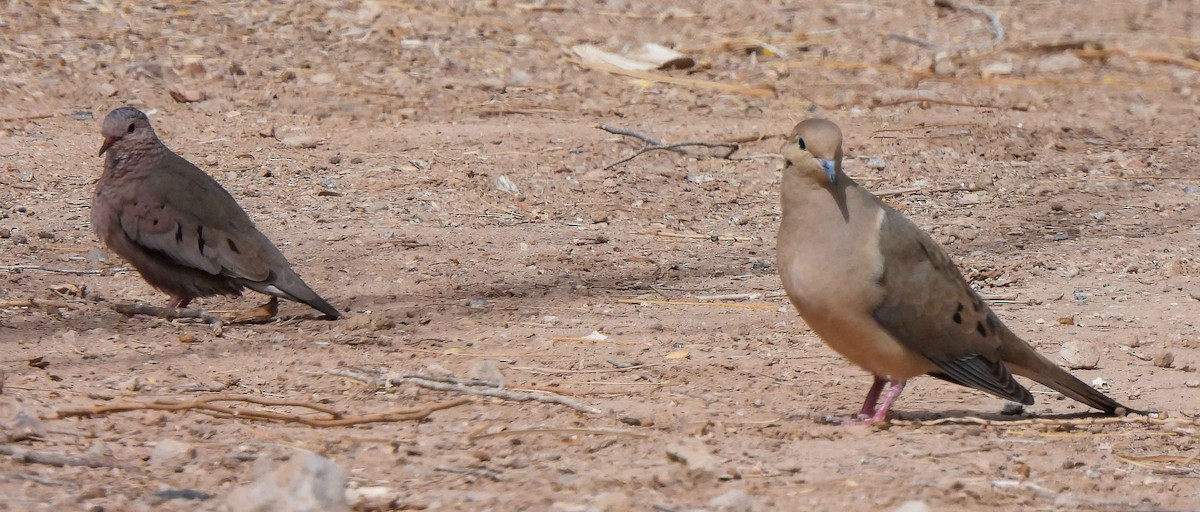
(799, 141)
(131, 129)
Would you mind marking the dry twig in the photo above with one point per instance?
(994, 25)
(169, 313)
(56, 270)
(470, 387)
(1046, 422)
(207, 405)
(556, 430)
(711, 304)
(58, 459)
(657, 145)
(39, 303)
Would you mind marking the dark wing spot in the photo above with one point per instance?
(980, 329)
(155, 223)
(178, 233)
(232, 246)
(992, 322)
(957, 317)
(200, 237)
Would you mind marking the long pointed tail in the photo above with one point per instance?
(288, 285)
(1040, 369)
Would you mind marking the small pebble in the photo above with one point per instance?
(1012, 409)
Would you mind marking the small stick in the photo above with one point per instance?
(681, 303)
(38, 479)
(730, 296)
(26, 118)
(556, 371)
(694, 236)
(654, 144)
(1107, 420)
(994, 24)
(335, 419)
(58, 459)
(37, 303)
(486, 473)
(468, 387)
(168, 313)
(44, 268)
(909, 190)
(565, 430)
(934, 101)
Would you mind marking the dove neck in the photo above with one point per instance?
(801, 183)
(131, 155)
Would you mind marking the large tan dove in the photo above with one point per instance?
(184, 233)
(881, 293)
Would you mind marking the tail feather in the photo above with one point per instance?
(288, 285)
(1054, 377)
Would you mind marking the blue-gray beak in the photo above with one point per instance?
(830, 170)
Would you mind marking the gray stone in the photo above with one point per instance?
(305, 483)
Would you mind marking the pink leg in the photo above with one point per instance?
(874, 416)
(179, 302)
(868, 408)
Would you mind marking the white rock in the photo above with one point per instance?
(997, 69)
(913, 506)
(172, 454)
(733, 501)
(1079, 355)
(305, 483)
(488, 371)
(1060, 63)
(694, 455)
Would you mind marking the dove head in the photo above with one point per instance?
(814, 150)
(126, 126)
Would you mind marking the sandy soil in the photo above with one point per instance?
(379, 145)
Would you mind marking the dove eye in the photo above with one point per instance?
(130, 128)
(800, 142)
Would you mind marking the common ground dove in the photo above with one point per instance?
(178, 227)
(883, 294)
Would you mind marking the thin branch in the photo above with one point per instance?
(206, 405)
(933, 101)
(56, 270)
(557, 430)
(168, 313)
(470, 387)
(654, 144)
(58, 459)
(994, 26)
(486, 473)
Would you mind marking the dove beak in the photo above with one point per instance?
(830, 170)
(108, 142)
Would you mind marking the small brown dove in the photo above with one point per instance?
(184, 233)
(884, 295)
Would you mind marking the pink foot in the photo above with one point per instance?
(869, 415)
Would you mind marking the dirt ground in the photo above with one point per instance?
(437, 173)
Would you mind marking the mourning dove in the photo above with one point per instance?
(884, 295)
(184, 233)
